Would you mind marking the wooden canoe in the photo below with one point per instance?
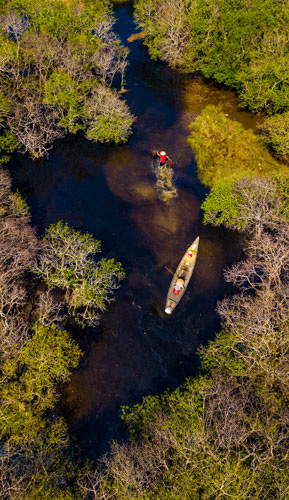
(184, 271)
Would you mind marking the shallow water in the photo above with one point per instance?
(110, 192)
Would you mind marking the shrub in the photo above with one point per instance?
(275, 131)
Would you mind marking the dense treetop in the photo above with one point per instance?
(58, 61)
(275, 131)
(239, 43)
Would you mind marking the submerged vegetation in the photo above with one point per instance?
(230, 159)
(225, 151)
(58, 61)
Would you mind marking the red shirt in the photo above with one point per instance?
(163, 158)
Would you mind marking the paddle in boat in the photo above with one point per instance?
(182, 277)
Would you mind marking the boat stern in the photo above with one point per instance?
(168, 310)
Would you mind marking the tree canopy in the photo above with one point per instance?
(243, 45)
(58, 61)
(66, 261)
(229, 160)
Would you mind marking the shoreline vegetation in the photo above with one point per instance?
(243, 46)
(46, 288)
(223, 434)
(60, 65)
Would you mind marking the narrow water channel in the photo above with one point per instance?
(109, 191)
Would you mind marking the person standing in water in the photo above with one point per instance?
(163, 158)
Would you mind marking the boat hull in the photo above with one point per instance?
(184, 271)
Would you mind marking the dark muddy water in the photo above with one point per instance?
(109, 191)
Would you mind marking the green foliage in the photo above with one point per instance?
(5, 104)
(265, 81)
(62, 91)
(230, 159)
(67, 261)
(248, 204)
(8, 142)
(181, 450)
(244, 46)
(69, 255)
(282, 188)
(222, 206)
(53, 452)
(136, 416)
(220, 355)
(275, 131)
(225, 150)
(37, 460)
(221, 434)
(17, 205)
(174, 403)
(45, 468)
(30, 383)
(55, 56)
(107, 117)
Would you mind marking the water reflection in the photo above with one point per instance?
(128, 175)
(167, 227)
